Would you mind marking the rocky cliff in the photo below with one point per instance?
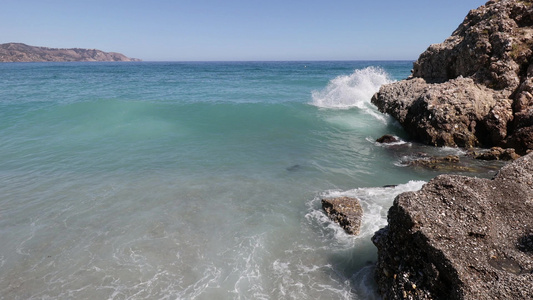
(461, 238)
(475, 88)
(16, 52)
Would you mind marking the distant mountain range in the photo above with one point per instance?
(18, 52)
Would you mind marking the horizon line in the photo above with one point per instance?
(281, 60)
(199, 61)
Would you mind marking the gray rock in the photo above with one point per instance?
(461, 238)
(345, 211)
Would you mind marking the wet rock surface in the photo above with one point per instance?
(345, 211)
(496, 153)
(387, 139)
(475, 88)
(447, 163)
(438, 161)
(461, 238)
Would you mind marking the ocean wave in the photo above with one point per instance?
(355, 90)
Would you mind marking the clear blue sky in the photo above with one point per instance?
(183, 30)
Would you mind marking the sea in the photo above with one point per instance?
(195, 180)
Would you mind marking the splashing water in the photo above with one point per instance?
(353, 90)
(190, 180)
(375, 202)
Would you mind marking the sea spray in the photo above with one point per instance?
(355, 90)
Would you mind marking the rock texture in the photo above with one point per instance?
(448, 163)
(496, 153)
(461, 238)
(16, 52)
(345, 211)
(475, 88)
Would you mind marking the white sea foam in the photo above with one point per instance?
(399, 142)
(375, 202)
(355, 90)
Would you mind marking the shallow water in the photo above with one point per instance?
(193, 180)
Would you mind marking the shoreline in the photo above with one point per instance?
(461, 237)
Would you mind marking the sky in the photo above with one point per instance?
(236, 30)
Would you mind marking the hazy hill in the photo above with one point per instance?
(18, 52)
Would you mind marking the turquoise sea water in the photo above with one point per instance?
(192, 180)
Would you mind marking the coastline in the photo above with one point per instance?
(18, 52)
(461, 237)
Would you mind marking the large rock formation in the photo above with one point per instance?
(461, 238)
(475, 88)
(17, 52)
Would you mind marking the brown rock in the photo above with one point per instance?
(454, 113)
(387, 139)
(345, 211)
(461, 238)
(521, 140)
(497, 153)
(448, 163)
(475, 88)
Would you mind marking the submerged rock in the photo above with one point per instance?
(448, 162)
(461, 238)
(475, 88)
(497, 153)
(345, 211)
(294, 168)
(387, 139)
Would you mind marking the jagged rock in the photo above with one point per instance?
(17, 52)
(345, 211)
(475, 88)
(497, 153)
(461, 238)
(387, 139)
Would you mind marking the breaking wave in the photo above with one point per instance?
(355, 90)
